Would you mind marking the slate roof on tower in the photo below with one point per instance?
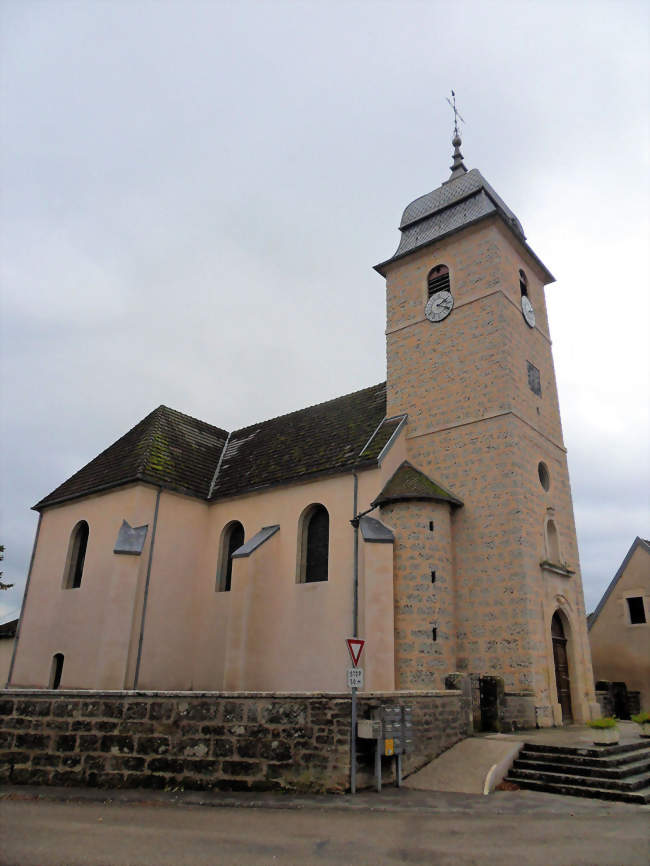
(460, 202)
(180, 453)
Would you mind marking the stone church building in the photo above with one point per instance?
(430, 514)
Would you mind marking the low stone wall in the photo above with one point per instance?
(234, 741)
(517, 712)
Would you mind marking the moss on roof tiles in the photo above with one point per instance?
(407, 482)
(181, 453)
(324, 438)
(166, 448)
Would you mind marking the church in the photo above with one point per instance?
(430, 514)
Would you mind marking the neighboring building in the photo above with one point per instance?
(188, 557)
(619, 628)
(7, 635)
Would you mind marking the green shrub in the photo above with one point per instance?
(642, 718)
(606, 722)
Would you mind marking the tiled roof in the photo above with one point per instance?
(408, 483)
(326, 438)
(454, 205)
(184, 454)
(166, 448)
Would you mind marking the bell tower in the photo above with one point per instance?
(469, 361)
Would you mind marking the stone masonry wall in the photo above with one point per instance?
(424, 593)
(204, 740)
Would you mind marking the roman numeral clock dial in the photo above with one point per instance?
(439, 306)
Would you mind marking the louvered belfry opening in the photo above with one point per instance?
(523, 284)
(438, 280)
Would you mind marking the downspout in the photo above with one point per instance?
(24, 601)
(355, 585)
(355, 523)
(355, 630)
(146, 590)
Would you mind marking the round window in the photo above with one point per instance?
(544, 477)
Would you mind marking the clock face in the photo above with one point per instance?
(527, 310)
(439, 306)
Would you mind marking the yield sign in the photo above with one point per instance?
(355, 648)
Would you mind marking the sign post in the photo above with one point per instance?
(355, 681)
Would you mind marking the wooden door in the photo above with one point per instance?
(561, 668)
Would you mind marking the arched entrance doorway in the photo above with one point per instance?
(561, 667)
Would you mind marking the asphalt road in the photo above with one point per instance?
(50, 833)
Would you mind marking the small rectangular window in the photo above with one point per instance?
(431, 526)
(433, 577)
(636, 610)
(434, 634)
(534, 381)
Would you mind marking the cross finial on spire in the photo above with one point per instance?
(457, 115)
(458, 166)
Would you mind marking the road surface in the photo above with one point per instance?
(49, 833)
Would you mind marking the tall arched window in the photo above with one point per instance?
(76, 556)
(314, 545)
(552, 543)
(56, 670)
(232, 538)
(438, 279)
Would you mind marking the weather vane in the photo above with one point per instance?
(457, 115)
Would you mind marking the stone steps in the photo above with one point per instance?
(583, 770)
(620, 772)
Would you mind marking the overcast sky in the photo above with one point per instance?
(194, 194)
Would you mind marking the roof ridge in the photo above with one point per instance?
(306, 408)
(148, 438)
(165, 408)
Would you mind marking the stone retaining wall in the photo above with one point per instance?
(235, 741)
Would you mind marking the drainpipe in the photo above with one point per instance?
(24, 601)
(355, 590)
(146, 590)
(355, 629)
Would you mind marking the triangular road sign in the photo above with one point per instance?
(355, 648)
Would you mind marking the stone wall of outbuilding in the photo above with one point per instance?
(233, 741)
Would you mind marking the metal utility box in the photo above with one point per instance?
(392, 729)
(407, 730)
(396, 729)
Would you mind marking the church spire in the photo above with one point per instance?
(457, 167)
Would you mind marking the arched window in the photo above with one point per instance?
(76, 555)
(314, 545)
(523, 283)
(56, 670)
(544, 476)
(438, 280)
(552, 543)
(232, 538)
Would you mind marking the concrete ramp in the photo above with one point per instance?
(473, 766)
